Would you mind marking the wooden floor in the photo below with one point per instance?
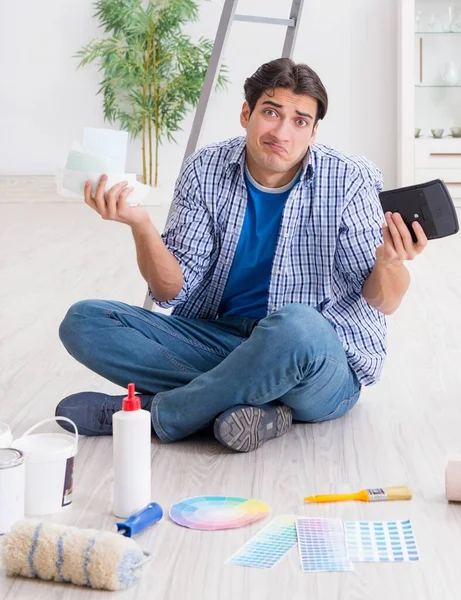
(52, 255)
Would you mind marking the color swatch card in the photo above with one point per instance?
(322, 545)
(217, 512)
(269, 545)
(380, 541)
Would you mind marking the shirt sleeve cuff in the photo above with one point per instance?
(179, 299)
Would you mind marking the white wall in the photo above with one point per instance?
(45, 102)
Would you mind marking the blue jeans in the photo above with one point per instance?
(198, 368)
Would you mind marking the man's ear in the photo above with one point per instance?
(314, 134)
(245, 115)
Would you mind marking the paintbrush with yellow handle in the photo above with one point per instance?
(371, 495)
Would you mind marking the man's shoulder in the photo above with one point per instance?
(218, 155)
(356, 168)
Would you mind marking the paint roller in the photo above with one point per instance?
(66, 554)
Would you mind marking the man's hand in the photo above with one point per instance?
(398, 243)
(389, 280)
(113, 206)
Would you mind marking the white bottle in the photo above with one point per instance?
(132, 456)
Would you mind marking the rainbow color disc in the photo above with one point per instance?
(217, 512)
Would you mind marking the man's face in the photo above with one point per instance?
(280, 129)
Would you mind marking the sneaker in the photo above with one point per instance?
(245, 428)
(92, 411)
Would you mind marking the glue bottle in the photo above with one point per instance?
(132, 456)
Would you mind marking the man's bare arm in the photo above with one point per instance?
(389, 281)
(158, 266)
(156, 263)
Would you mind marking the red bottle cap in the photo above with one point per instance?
(131, 402)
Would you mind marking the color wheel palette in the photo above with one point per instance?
(211, 513)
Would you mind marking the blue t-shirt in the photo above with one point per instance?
(247, 286)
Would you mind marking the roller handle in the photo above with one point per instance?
(150, 514)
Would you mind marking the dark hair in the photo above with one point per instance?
(285, 73)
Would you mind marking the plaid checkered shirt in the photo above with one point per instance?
(330, 229)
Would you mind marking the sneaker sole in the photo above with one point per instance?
(247, 428)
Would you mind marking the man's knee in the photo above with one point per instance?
(302, 323)
(299, 312)
(70, 328)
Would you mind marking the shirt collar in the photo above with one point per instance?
(309, 163)
(238, 159)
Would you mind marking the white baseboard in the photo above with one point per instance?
(24, 189)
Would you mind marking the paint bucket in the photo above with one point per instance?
(12, 483)
(6, 437)
(49, 461)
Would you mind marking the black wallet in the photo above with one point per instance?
(428, 203)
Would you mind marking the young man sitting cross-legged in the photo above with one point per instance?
(280, 273)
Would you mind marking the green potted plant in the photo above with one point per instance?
(152, 72)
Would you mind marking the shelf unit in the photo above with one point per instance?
(429, 96)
